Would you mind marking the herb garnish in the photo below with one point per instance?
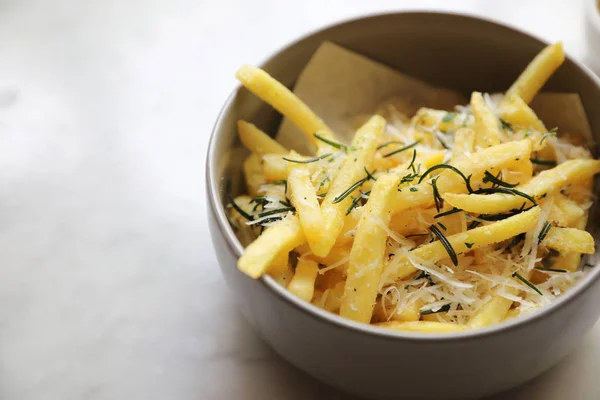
(473, 225)
(550, 133)
(354, 186)
(588, 265)
(436, 231)
(408, 146)
(309, 160)
(506, 125)
(442, 226)
(381, 146)
(515, 241)
(363, 195)
(550, 269)
(441, 309)
(525, 281)
(437, 198)
(332, 143)
(235, 206)
(514, 192)
(544, 231)
(539, 161)
(443, 214)
(412, 163)
(452, 168)
(489, 177)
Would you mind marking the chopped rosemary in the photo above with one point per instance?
(417, 234)
(437, 198)
(413, 189)
(539, 161)
(444, 145)
(489, 177)
(381, 146)
(425, 275)
(544, 231)
(516, 240)
(235, 206)
(354, 186)
(449, 117)
(506, 125)
(443, 214)
(408, 146)
(452, 168)
(442, 226)
(276, 211)
(525, 281)
(550, 269)
(514, 192)
(436, 231)
(469, 245)
(412, 163)
(550, 133)
(332, 143)
(473, 225)
(309, 160)
(499, 217)
(322, 195)
(439, 310)
(356, 200)
(588, 265)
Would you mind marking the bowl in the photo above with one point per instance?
(461, 52)
(592, 13)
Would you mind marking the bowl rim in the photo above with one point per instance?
(593, 13)
(337, 321)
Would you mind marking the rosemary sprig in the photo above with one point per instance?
(516, 240)
(469, 245)
(489, 177)
(550, 269)
(417, 234)
(354, 186)
(332, 143)
(276, 211)
(513, 192)
(588, 265)
(443, 214)
(437, 198)
(525, 281)
(442, 226)
(506, 125)
(544, 231)
(280, 182)
(408, 146)
(412, 163)
(539, 161)
(234, 204)
(550, 133)
(499, 217)
(473, 224)
(356, 200)
(436, 231)
(452, 168)
(309, 160)
(444, 145)
(441, 309)
(381, 146)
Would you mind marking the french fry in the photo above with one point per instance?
(487, 125)
(275, 168)
(535, 75)
(303, 282)
(279, 265)
(490, 159)
(423, 326)
(401, 267)
(257, 141)
(283, 100)
(283, 236)
(568, 261)
(571, 210)
(464, 142)
(409, 221)
(411, 312)
(516, 112)
(352, 170)
(569, 240)
(493, 312)
(368, 251)
(304, 198)
(253, 174)
(545, 182)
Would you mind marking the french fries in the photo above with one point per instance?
(443, 222)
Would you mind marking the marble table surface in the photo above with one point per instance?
(109, 286)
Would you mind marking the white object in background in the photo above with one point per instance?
(592, 58)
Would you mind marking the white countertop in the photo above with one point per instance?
(109, 286)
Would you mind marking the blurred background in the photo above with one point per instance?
(109, 287)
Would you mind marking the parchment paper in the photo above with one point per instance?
(339, 85)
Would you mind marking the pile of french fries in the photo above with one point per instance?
(444, 222)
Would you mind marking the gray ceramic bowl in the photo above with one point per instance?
(461, 52)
